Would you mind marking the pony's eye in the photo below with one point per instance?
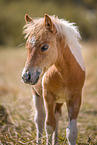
(44, 47)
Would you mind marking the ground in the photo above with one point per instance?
(17, 120)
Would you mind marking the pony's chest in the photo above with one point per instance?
(61, 95)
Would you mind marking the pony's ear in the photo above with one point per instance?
(28, 18)
(49, 24)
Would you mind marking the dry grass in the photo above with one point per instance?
(16, 97)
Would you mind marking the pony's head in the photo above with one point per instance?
(46, 39)
(42, 47)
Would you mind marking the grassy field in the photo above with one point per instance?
(17, 124)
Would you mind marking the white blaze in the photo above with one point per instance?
(32, 40)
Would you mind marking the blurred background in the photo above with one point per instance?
(16, 106)
(82, 12)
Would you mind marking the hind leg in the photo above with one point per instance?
(73, 107)
(39, 115)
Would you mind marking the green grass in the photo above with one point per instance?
(17, 124)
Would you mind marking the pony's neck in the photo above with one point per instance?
(66, 62)
(62, 62)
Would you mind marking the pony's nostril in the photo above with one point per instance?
(29, 76)
(26, 77)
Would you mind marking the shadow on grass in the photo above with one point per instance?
(91, 143)
(94, 112)
(83, 144)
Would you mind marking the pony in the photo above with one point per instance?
(56, 71)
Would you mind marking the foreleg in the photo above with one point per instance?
(39, 116)
(73, 106)
(50, 116)
(57, 115)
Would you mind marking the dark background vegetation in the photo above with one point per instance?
(82, 12)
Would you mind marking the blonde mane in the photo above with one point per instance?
(67, 30)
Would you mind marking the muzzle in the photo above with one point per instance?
(31, 76)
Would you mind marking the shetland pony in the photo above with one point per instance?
(56, 71)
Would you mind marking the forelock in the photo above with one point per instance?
(33, 28)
